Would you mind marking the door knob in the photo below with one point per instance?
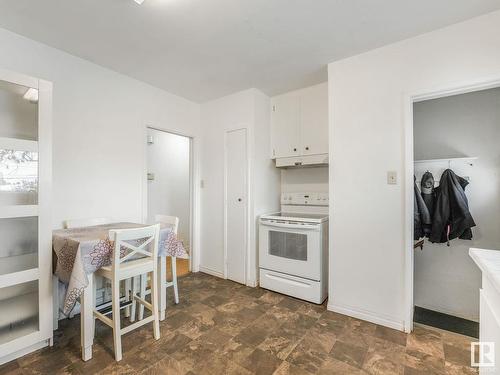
(239, 199)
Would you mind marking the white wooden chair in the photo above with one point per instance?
(141, 242)
(80, 223)
(173, 222)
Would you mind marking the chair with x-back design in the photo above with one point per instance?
(139, 254)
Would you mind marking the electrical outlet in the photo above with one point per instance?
(392, 178)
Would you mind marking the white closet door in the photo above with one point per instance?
(236, 204)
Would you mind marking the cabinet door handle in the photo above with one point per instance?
(307, 148)
(294, 149)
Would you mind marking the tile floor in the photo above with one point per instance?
(221, 327)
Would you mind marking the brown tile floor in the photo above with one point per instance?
(221, 327)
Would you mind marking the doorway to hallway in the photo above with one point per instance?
(169, 166)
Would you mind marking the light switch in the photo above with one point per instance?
(392, 178)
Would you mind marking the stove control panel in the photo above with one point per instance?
(305, 199)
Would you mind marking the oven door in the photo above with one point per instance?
(291, 248)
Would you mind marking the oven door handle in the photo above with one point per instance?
(291, 226)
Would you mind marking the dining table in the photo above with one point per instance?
(79, 252)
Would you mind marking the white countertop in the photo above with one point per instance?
(488, 262)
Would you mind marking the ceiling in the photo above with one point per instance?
(205, 49)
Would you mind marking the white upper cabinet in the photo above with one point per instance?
(299, 122)
(285, 120)
(314, 120)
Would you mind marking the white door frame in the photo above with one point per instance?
(409, 99)
(194, 199)
(247, 201)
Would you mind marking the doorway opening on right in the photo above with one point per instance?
(455, 144)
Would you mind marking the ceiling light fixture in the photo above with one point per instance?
(31, 95)
(139, 1)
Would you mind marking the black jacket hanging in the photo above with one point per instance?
(452, 218)
(421, 216)
(428, 194)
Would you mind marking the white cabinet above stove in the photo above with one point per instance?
(299, 126)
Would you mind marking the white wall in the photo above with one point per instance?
(299, 180)
(98, 129)
(366, 100)
(169, 192)
(231, 112)
(246, 109)
(446, 278)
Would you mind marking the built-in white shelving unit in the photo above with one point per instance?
(25, 228)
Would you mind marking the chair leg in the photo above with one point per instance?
(128, 288)
(174, 279)
(93, 309)
(144, 281)
(154, 303)
(135, 291)
(117, 338)
(162, 286)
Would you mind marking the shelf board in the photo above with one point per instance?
(16, 278)
(465, 160)
(18, 269)
(18, 144)
(8, 212)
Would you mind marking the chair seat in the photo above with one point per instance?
(128, 269)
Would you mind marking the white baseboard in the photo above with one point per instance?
(252, 283)
(212, 272)
(369, 316)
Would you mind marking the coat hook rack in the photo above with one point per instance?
(467, 160)
(470, 161)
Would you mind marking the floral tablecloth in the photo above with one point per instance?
(81, 251)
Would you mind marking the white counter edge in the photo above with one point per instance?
(484, 259)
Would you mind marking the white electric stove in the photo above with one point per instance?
(293, 247)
